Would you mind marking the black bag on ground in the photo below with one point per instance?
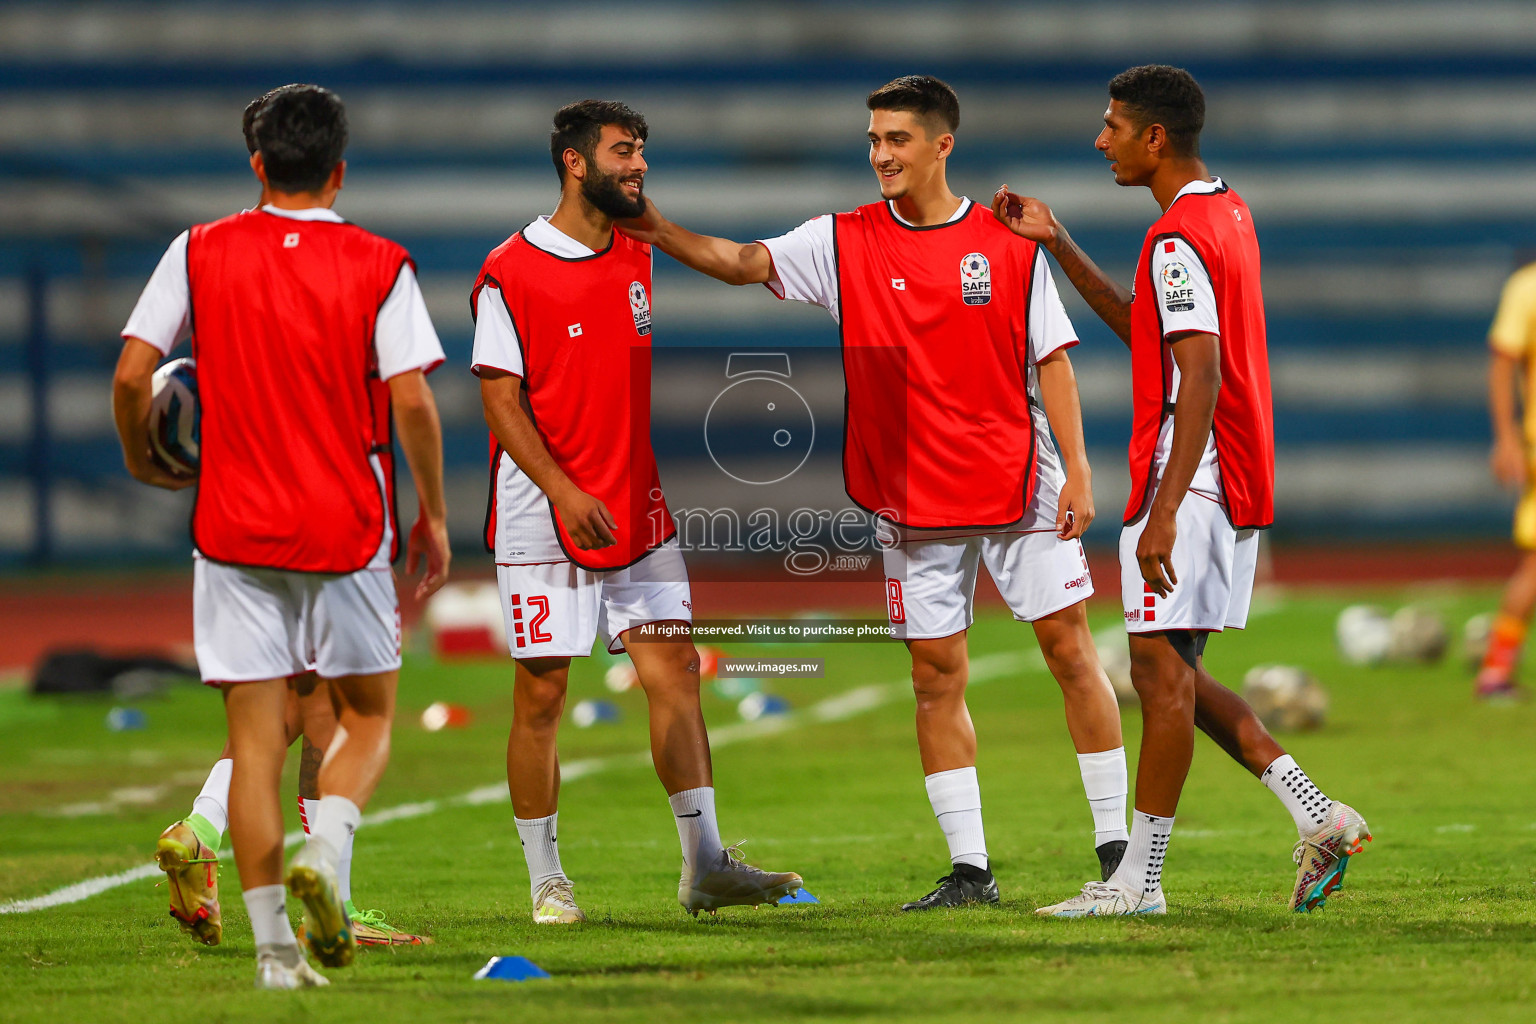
(85, 670)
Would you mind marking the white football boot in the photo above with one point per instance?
(734, 883)
(1322, 856)
(1108, 899)
(556, 904)
(284, 967)
(327, 929)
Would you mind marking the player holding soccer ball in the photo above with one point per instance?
(1202, 474)
(955, 356)
(311, 339)
(187, 851)
(562, 348)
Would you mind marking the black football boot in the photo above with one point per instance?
(965, 884)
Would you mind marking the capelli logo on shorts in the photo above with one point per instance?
(1081, 581)
(1134, 615)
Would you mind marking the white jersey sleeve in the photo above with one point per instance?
(805, 265)
(1048, 325)
(161, 315)
(403, 335)
(496, 343)
(1185, 299)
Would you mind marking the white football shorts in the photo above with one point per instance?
(557, 609)
(251, 624)
(930, 585)
(1215, 565)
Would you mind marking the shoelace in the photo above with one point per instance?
(1100, 890)
(736, 859)
(558, 889)
(1301, 847)
(372, 918)
(946, 880)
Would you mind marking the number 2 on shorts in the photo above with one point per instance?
(535, 634)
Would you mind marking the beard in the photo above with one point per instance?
(610, 199)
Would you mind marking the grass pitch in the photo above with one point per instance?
(1435, 921)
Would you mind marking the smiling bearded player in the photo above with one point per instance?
(1202, 474)
(954, 351)
(583, 541)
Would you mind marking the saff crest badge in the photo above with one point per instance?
(975, 280)
(640, 306)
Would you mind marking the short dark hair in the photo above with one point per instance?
(248, 120)
(932, 101)
(1169, 96)
(301, 132)
(579, 125)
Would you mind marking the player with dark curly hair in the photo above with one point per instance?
(1202, 479)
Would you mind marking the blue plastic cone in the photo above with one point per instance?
(510, 968)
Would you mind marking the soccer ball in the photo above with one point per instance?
(1474, 639)
(1364, 634)
(1419, 636)
(1114, 649)
(175, 418)
(621, 676)
(1285, 698)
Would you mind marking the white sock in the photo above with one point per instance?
(344, 869)
(1307, 804)
(266, 904)
(956, 799)
(309, 812)
(1142, 869)
(213, 802)
(1104, 783)
(338, 819)
(697, 830)
(540, 850)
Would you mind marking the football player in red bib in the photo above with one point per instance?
(313, 343)
(187, 851)
(583, 541)
(955, 356)
(1202, 478)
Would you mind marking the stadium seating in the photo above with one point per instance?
(1388, 171)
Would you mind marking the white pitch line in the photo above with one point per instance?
(834, 709)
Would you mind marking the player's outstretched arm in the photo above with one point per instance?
(1032, 219)
(720, 258)
(421, 438)
(1199, 359)
(590, 523)
(1058, 393)
(132, 389)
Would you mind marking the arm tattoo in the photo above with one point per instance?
(1109, 300)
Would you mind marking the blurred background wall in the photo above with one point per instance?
(1385, 149)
